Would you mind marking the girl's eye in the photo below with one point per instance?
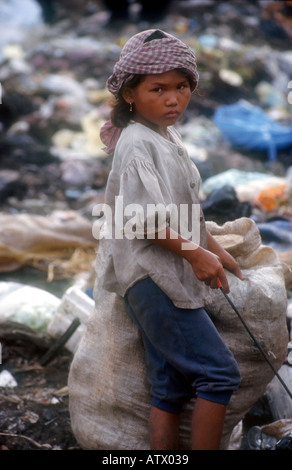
(158, 90)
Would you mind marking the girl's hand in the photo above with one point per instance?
(207, 264)
(208, 268)
(227, 260)
(231, 264)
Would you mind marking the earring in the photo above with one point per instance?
(131, 108)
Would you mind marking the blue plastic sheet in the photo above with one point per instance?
(245, 125)
(277, 233)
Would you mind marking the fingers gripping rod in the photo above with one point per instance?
(254, 339)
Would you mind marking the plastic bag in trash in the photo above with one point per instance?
(245, 125)
(247, 184)
(7, 379)
(27, 305)
(223, 205)
(258, 440)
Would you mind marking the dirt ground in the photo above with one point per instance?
(34, 415)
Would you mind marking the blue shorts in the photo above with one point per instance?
(185, 355)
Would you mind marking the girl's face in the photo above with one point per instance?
(159, 100)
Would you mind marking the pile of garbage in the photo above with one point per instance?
(54, 99)
(53, 170)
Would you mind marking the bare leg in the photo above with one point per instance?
(163, 430)
(207, 424)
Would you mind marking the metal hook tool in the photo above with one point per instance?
(253, 338)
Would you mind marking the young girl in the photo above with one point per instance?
(164, 275)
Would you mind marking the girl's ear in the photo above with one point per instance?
(127, 94)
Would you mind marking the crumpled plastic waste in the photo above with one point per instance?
(277, 197)
(276, 435)
(270, 198)
(258, 440)
(246, 125)
(7, 379)
(62, 242)
(27, 305)
(45, 313)
(75, 303)
(248, 184)
(223, 205)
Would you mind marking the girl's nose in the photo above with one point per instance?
(171, 99)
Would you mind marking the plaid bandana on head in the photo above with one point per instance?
(151, 52)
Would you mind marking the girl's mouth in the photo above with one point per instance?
(172, 114)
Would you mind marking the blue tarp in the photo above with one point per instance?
(277, 233)
(245, 125)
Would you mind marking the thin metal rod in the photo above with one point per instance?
(255, 340)
(55, 348)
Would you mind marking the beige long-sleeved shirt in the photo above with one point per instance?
(152, 184)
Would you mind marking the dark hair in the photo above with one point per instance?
(121, 114)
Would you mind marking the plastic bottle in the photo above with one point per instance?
(257, 440)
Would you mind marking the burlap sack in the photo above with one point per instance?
(108, 389)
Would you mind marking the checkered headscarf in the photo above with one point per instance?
(151, 52)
